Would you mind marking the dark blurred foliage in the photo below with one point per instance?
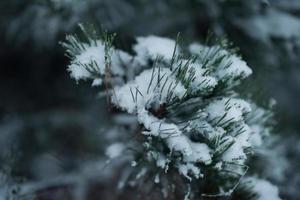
(47, 121)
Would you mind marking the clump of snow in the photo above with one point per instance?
(235, 152)
(156, 179)
(234, 67)
(133, 163)
(264, 189)
(227, 110)
(161, 161)
(196, 48)
(232, 111)
(91, 54)
(156, 127)
(180, 143)
(200, 153)
(153, 86)
(187, 169)
(153, 46)
(96, 82)
(115, 150)
(230, 65)
(199, 81)
(170, 132)
(94, 55)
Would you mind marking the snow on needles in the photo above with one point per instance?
(153, 46)
(152, 86)
(264, 189)
(149, 91)
(230, 112)
(217, 130)
(229, 67)
(90, 63)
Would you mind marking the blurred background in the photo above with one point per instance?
(50, 126)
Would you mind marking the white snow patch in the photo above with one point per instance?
(153, 46)
(200, 153)
(156, 126)
(148, 89)
(231, 65)
(114, 150)
(180, 143)
(241, 141)
(235, 153)
(161, 161)
(156, 179)
(200, 81)
(256, 138)
(228, 109)
(264, 189)
(187, 169)
(95, 55)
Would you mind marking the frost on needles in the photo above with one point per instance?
(193, 123)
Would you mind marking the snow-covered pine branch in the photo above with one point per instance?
(192, 121)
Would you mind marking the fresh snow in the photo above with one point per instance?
(231, 65)
(95, 55)
(264, 189)
(200, 81)
(232, 110)
(200, 153)
(153, 46)
(155, 88)
(186, 169)
(147, 89)
(236, 68)
(115, 150)
(145, 96)
(227, 110)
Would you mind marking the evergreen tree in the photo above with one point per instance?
(272, 52)
(196, 133)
